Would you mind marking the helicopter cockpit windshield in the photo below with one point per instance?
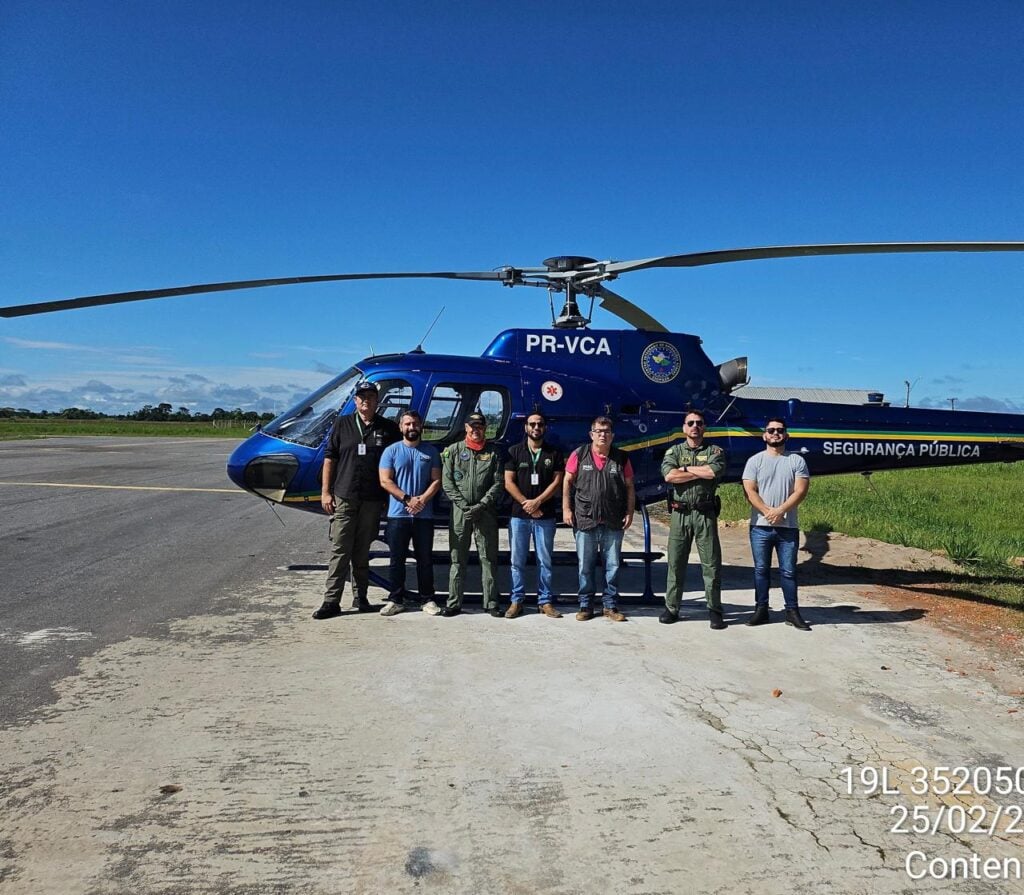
(308, 422)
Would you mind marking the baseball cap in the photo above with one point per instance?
(364, 385)
(477, 418)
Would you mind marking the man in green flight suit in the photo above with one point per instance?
(693, 469)
(471, 478)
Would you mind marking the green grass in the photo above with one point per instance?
(37, 428)
(975, 514)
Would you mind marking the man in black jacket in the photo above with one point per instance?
(598, 500)
(352, 495)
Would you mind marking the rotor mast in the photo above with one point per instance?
(570, 317)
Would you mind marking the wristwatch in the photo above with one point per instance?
(406, 498)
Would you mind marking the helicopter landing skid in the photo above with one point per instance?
(558, 558)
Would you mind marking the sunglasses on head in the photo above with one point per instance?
(775, 431)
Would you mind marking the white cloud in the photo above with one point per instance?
(114, 391)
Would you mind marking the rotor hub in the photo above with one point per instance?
(563, 263)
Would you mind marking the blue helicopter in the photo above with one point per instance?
(644, 378)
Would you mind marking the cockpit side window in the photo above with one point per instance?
(451, 403)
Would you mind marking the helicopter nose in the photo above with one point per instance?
(267, 475)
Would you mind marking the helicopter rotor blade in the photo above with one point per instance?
(699, 259)
(506, 274)
(626, 310)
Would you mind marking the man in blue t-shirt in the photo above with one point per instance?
(410, 472)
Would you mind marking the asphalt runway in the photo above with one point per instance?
(83, 567)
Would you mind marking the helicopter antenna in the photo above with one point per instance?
(419, 348)
(728, 407)
(272, 510)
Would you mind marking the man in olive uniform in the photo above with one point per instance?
(694, 469)
(472, 480)
(352, 495)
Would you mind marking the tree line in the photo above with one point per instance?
(160, 413)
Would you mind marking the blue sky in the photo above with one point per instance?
(150, 144)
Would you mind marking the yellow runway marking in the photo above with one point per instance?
(123, 487)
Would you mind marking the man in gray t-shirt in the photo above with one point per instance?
(775, 483)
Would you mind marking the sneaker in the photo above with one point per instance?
(668, 617)
(585, 614)
(549, 610)
(514, 611)
(327, 610)
(613, 615)
(450, 611)
(431, 608)
(392, 607)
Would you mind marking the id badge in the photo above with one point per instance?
(362, 450)
(534, 478)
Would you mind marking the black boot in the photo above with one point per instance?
(760, 616)
(793, 618)
(717, 622)
(361, 604)
(668, 617)
(327, 610)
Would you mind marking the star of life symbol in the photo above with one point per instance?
(551, 390)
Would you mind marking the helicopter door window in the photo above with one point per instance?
(451, 403)
(395, 398)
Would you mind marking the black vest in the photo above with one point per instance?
(601, 497)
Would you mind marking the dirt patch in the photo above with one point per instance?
(903, 579)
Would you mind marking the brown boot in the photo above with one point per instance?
(514, 610)
(549, 610)
(585, 614)
(613, 615)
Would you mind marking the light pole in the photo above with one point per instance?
(952, 403)
(909, 386)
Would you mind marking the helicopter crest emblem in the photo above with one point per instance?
(661, 362)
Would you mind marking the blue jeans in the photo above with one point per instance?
(785, 541)
(609, 542)
(399, 531)
(519, 532)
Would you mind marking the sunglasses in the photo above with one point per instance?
(694, 423)
(475, 425)
(774, 431)
(535, 425)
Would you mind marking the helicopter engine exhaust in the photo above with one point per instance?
(733, 373)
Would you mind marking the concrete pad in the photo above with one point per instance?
(478, 755)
